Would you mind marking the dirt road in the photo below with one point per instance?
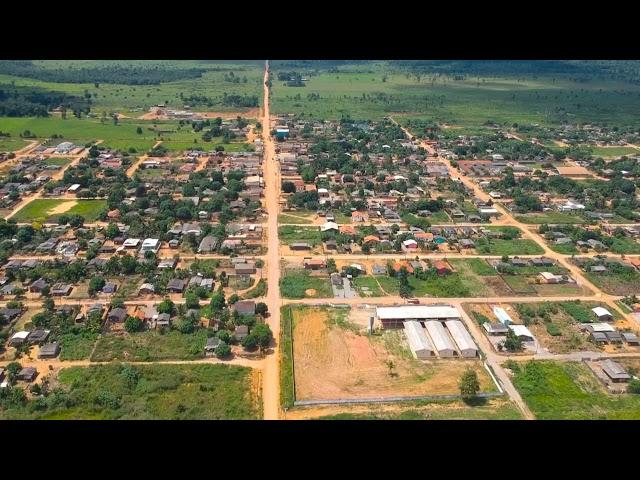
(271, 379)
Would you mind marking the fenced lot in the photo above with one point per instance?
(334, 359)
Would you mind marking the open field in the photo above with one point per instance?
(167, 392)
(302, 284)
(48, 210)
(150, 346)
(333, 359)
(11, 144)
(616, 283)
(570, 391)
(291, 234)
(613, 151)
(58, 161)
(372, 91)
(517, 246)
(493, 409)
(135, 100)
(551, 218)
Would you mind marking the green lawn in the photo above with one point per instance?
(284, 218)
(11, 144)
(565, 249)
(287, 390)
(150, 346)
(40, 210)
(291, 234)
(479, 266)
(147, 392)
(294, 284)
(517, 246)
(57, 161)
(569, 391)
(367, 282)
(613, 151)
(550, 218)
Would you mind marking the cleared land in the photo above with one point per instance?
(333, 360)
(49, 210)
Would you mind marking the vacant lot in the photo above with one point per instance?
(332, 359)
(150, 346)
(291, 234)
(570, 391)
(302, 284)
(517, 246)
(150, 392)
(616, 283)
(49, 210)
(550, 218)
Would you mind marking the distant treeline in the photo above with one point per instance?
(36, 102)
(127, 75)
(248, 101)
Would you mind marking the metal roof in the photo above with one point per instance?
(416, 312)
(417, 338)
(521, 331)
(440, 337)
(600, 311)
(460, 335)
(502, 315)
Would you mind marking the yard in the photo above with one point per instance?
(48, 210)
(550, 218)
(334, 359)
(289, 234)
(570, 391)
(516, 246)
(301, 284)
(150, 346)
(148, 392)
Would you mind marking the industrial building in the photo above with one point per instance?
(395, 316)
(441, 340)
(463, 339)
(420, 345)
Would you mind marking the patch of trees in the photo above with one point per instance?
(18, 101)
(244, 101)
(119, 74)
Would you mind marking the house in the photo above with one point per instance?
(150, 245)
(630, 338)
(117, 315)
(163, 320)
(409, 244)
(211, 345)
(49, 350)
(38, 285)
(27, 374)
(602, 314)
(241, 332)
(467, 243)
(176, 285)
(522, 332)
(38, 336)
(496, 328)
(548, 277)
(18, 338)
(109, 288)
(245, 268)
(614, 371)
(61, 289)
(146, 289)
(208, 244)
(313, 263)
(244, 307)
(442, 267)
(10, 314)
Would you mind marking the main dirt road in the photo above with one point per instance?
(271, 379)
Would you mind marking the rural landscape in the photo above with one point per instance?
(319, 240)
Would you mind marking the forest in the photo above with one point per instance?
(36, 102)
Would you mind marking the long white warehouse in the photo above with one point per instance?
(395, 316)
(463, 339)
(419, 344)
(441, 340)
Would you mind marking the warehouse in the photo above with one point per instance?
(395, 316)
(419, 344)
(463, 339)
(441, 340)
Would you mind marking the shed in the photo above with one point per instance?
(496, 328)
(440, 338)
(244, 307)
(49, 350)
(502, 315)
(18, 338)
(522, 332)
(614, 337)
(38, 336)
(462, 338)
(420, 345)
(614, 371)
(602, 314)
(211, 345)
(241, 332)
(631, 338)
(27, 374)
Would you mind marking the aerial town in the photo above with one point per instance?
(303, 240)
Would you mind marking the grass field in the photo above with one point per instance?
(370, 283)
(291, 234)
(150, 346)
(569, 391)
(134, 100)
(48, 210)
(287, 390)
(625, 245)
(375, 90)
(616, 283)
(57, 161)
(149, 392)
(495, 409)
(77, 347)
(551, 218)
(284, 218)
(11, 144)
(298, 284)
(517, 246)
(614, 151)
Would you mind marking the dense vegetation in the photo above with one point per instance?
(16, 101)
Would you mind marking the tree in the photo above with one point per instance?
(217, 300)
(48, 304)
(191, 300)
(233, 299)
(133, 324)
(634, 386)
(263, 335)
(166, 306)
(250, 342)
(469, 384)
(112, 230)
(261, 308)
(223, 350)
(139, 130)
(96, 284)
(12, 370)
(512, 343)
(288, 187)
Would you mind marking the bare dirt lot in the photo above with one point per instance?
(333, 359)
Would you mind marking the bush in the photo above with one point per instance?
(552, 329)
(480, 318)
(250, 342)
(223, 350)
(133, 324)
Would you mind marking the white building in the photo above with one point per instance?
(419, 344)
(441, 340)
(461, 336)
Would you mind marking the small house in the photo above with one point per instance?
(241, 332)
(27, 374)
(211, 345)
(49, 350)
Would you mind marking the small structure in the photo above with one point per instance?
(630, 338)
(211, 345)
(18, 338)
(27, 374)
(117, 315)
(602, 314)
(49, 350)
(244, 307)
(502, 315)
(522, 332)
(614, 371)
(38, 336)
(241, 332)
